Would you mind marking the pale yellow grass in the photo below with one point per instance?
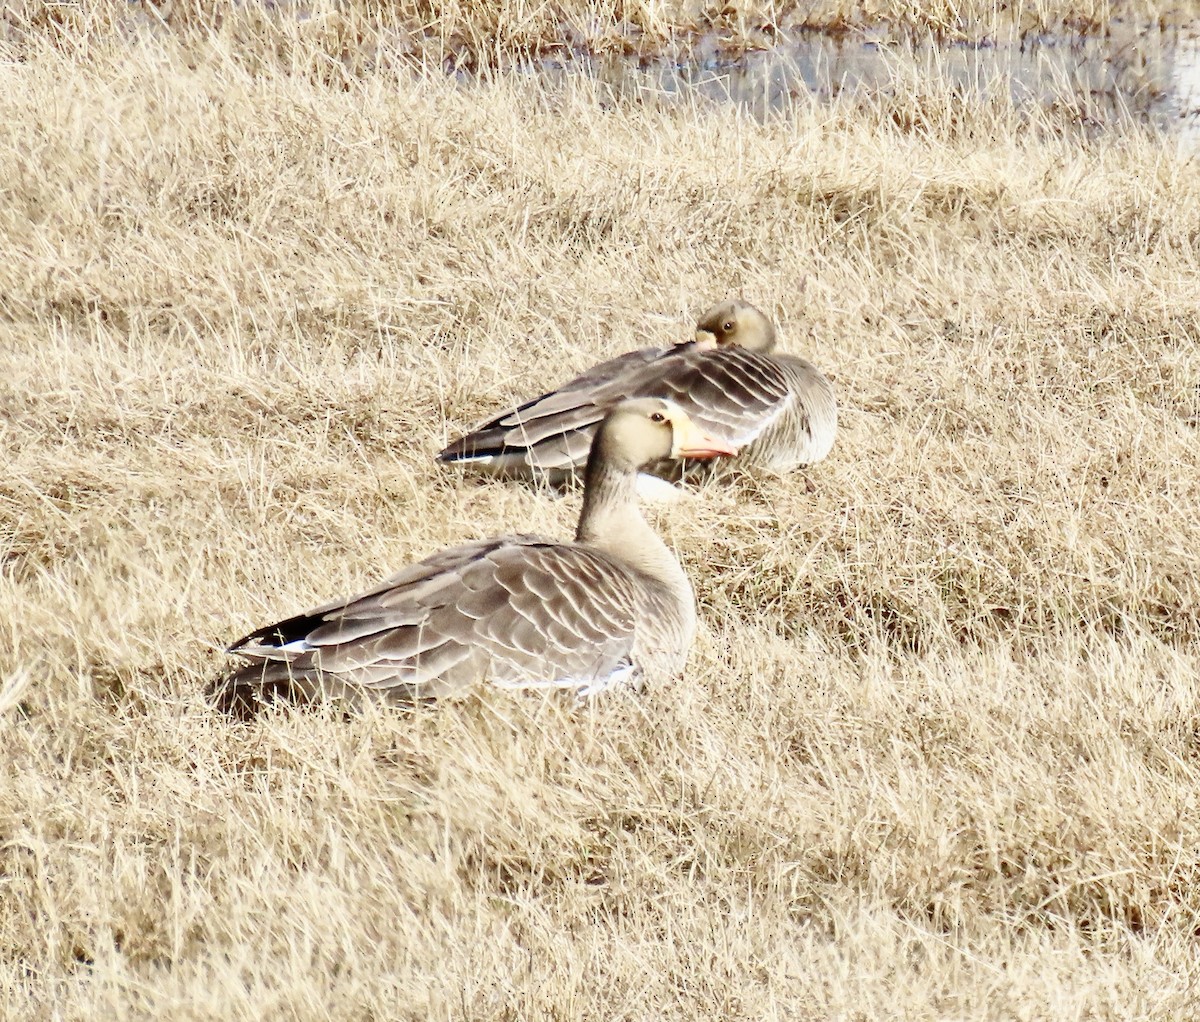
(937, 752)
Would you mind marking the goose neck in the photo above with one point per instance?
(609, 502)
(612, 521)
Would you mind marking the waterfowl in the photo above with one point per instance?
(778, 409)
(612, 607)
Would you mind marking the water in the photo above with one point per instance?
(1125, 77)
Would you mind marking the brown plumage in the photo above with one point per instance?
(779, 409)
(517, 611)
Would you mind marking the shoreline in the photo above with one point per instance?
(481, 36)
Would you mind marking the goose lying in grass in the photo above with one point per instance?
(518, 611)
(779, 409)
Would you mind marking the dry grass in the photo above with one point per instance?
(938, 751)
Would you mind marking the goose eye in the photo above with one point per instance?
(657, 417)
(728, 327)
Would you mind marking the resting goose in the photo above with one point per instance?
(778, 408)
(518, 611)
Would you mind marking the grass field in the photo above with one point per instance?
(937, 752)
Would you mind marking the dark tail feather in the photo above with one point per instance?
(453, 452)
(480, 445)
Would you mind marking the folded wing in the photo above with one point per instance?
(732, 392)
(514, 612)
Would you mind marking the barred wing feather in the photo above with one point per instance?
(733, 392)
(513, 611)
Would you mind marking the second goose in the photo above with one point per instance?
(779, 409)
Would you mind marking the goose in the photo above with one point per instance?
(613, 607)
(778, 409)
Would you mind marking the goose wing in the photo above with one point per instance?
(554, 430)
(732, 392)
(515, 611)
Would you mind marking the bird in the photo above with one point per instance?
(612, 608)
(779, 409)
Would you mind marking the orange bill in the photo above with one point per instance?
(692, 442)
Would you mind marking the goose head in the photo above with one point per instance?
(735, 323)
(644, 431)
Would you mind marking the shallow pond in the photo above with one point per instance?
(1124, 77)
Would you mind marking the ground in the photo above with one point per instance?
(937, 750)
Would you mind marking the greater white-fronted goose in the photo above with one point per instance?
(779, 409)
(518, 611)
